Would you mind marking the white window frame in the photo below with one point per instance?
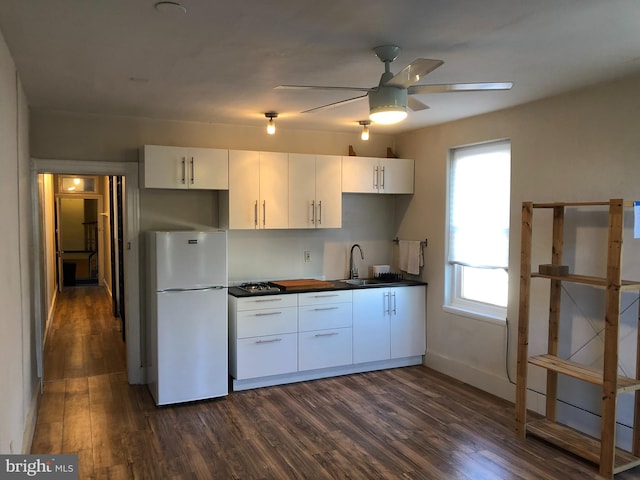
(454, 301)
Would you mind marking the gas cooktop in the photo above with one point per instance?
(258, 287)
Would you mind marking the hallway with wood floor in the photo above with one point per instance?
(411, 423)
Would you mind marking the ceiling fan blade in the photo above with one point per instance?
(335, 104)
(320, 87)
(414, 72)
(459, 87)
(415, 104)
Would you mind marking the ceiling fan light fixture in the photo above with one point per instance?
(365, 129)
(387, 105)
(271, 126)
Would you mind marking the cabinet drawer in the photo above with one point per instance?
(267, 301)
(270, 321)
(264, 356)
(323, 316)
(325, 348)
(319, 298)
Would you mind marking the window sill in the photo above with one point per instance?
(488, 318)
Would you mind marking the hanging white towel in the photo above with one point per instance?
(410, 256)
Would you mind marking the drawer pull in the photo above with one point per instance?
(325, 308)
(273, 340)
(267, 314)
(269, 300)
(326, 295)
(331, 334)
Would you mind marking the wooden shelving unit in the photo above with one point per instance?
(603, 451)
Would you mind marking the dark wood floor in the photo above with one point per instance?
(410, 423)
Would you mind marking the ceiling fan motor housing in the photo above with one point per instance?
(387, 99)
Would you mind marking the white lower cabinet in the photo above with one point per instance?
(277, 339)
(388, 323)
(324, 330)
(263, 336)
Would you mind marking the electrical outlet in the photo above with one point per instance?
(307, 256)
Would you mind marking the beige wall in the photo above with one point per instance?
(17, 352)
(581, 146)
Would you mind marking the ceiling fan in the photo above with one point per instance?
(388, 101)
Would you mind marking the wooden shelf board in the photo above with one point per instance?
(581, 372)
(579, 443)
(588, 280)
(628, 203)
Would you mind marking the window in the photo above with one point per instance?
(478, 256)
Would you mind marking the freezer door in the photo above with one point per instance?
(188, 260)
(192, 358)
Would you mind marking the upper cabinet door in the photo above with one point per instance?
(377, 175)
(164, 167)
(273, 208)
(396, 175)
(244, 189)
(360, 174)
(302, 190)
(328, 204)
(183, 168)
(208, 168)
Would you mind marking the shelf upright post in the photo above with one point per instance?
(554, 310)
(523, 320)
(612, 315)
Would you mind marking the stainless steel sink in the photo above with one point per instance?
(363, 281)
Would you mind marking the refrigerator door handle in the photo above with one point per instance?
(202, 289)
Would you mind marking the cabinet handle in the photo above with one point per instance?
(267, 314)
(326, 296)
(386, 298)
(269, 300)
(375, 178)
(382, 181)
(255, 214)
(184, 170)
(320, 213)
(394, 302)
(193, 172)
(330, 334)
(273, 340)
(313, 212)
(324, 308)
(264, 213)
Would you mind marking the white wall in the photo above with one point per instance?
(17, 352)
(581, 146)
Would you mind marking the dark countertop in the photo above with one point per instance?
(337, 285)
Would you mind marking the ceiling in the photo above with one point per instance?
(220, 61)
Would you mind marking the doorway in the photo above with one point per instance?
(128, 173)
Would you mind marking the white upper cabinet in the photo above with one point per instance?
(185, 168)
(315, 193)
(258, 190)
(377, 175)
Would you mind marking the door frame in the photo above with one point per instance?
(79, 196)
(133, 290)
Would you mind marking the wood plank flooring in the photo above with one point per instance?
(411, 423)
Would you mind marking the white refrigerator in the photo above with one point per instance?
(187, 328)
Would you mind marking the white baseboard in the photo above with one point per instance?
(487, 381)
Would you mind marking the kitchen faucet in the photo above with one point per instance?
(353, 270)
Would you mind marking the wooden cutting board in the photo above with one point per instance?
(302, 284)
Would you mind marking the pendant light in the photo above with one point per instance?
(365, 129)
(271, 126)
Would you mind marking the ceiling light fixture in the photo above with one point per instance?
(365, 129)
(271, 126)
(388, 105)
